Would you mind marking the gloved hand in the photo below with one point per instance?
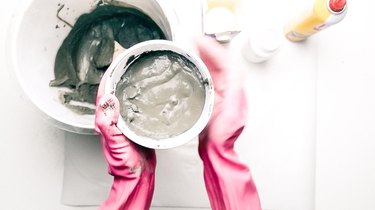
(131, 165)
(228, 181)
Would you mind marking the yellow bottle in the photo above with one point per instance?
(323, 14)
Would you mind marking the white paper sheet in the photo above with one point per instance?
(179, 175)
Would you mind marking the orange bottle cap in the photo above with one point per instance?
(337, 5)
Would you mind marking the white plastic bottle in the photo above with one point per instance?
(261, 45)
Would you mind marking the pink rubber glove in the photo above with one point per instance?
(131, 165)
(228, 182)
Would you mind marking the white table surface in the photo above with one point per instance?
(309, 140)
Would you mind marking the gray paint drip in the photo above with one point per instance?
(88, 49)
(162, 95)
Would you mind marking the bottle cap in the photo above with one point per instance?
(269, 40)
(337, 5)
(261, 45)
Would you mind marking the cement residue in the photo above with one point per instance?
(162, 95)
(87, 51)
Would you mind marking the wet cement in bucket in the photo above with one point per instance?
(88, 50)
(162, 94)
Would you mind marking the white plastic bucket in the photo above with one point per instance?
(35, 36)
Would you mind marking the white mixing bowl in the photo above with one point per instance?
(34, 38)
(120, 65)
